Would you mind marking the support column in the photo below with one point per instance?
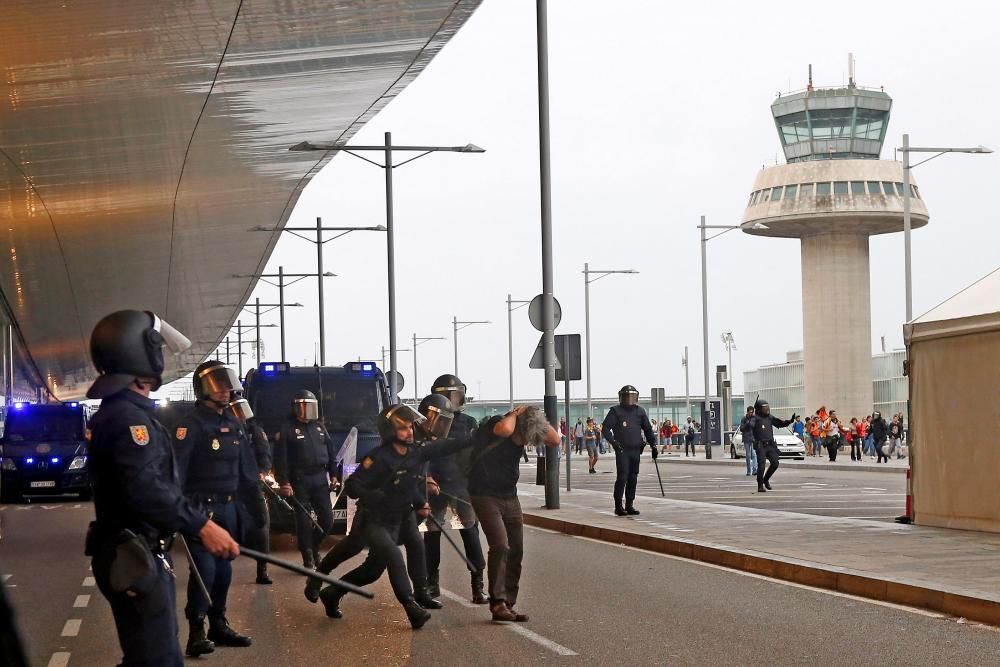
(836, 324)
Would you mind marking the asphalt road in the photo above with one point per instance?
(591, 603)
(838, 493)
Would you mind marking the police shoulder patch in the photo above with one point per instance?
(181, 432)
(367, 463)
(140, 435)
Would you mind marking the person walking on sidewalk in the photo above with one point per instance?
(625, 426)
(749, 451)
(689, 430)
(590, 436)
(880, 430)
(578, 435)
(762, 425)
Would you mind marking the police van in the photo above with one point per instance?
(44, 451)
(349, 396)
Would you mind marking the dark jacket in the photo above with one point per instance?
(626, 426)
(303, 449)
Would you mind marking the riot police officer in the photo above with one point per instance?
(450, 474)
(305, 460)
(389, 483)
(217, 471)
(624, 428)
(762, 424)
(254, 434)
(137, 497)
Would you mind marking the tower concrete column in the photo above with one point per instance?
(836, 323)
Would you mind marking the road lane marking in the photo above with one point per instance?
(60, 659)
(81, 601)
(72, 627)
(88, 582)
(558, 649)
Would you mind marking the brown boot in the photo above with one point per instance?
(500, 611)
(520, 618)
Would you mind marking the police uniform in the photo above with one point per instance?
(218, 471)
(450, 474)
(624, 427)
(304, 456)
(389, 485)
(762, 424)
(136, 489)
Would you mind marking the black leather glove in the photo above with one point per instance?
(617, 447)
(652, 450)
(792, 418)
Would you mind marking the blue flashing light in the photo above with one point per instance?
(74, 405)
(364, 368)
(29, 460)
(19, 405)
(274, 367)
(55, 459)
(158, 402)
(349, 469)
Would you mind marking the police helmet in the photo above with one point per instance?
(452, 388)
(240, 408)
(439, 415)
(212, 377)
(762, 408)
(128, 344)
(876, 415)
(305, 406)
(628, 395)
(395, 416)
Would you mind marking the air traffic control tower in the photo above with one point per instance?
(833, 192)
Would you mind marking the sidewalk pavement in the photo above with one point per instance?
(812, 463)
(951, 571)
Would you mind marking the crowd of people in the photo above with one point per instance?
(870, 436)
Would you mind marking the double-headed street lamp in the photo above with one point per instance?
(239, 342)
(398, 349)
(906, 150)
(587, 272)
(281, 285)
(458, 325)
(319, 241)
(417, 341)
(257, 312)
(510, 341)
(388, 166)
(705, 435)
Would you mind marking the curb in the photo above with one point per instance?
(807, 465)
(834, 578)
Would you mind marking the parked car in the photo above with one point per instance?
(789, 445)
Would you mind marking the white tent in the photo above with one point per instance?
(953, 362)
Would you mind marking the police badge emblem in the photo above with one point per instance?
(181, 433)
(140, 435)
(216, 445)
(624, 424)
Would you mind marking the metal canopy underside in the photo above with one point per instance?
(132, 163)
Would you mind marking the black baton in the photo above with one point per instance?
(308, 514)
(304, 571)
(274, 495)
(660, 479)
(448, 537)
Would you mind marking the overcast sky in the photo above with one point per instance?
(659, 114)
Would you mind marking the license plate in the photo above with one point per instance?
(340, 514)
(42, 485)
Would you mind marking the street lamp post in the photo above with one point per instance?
(318, 242)
(510, 341)
(387, 149)
(417, 341)
(239, 342)
(687, 382)
(398, 349)
(257, 312)
(587, 272)
(906, 150)
(281, 285)
(704, 315)
(458, 325)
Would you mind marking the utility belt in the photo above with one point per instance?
(761, 443)
(303, 471)
(99, 538)
(202, 499)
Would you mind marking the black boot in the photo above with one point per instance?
(433, 587)
(761, 489)
(198, 643)
(223, 635)
(619, 510)
(478, 594)
(308, 560)
(417, 614)
(422, 596)
(331, 596)
(631, 510)
(767, 485)
(313, 587)
(262, 577)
